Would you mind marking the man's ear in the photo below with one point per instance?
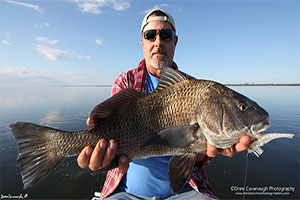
(142, 41)
(175, 40)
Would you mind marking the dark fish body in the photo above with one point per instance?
(177, 119)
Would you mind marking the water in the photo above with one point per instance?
(278, 166)
(68, 108)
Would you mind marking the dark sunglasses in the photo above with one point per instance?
(164, 34)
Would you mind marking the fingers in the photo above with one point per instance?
(123, 164)
(228, 151)
(110, 153)
(98, 155)
(88, 122)
(211, 150)
(243, 144)
(102, 155)
(84, 157)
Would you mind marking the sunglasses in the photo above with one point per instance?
(164, 34)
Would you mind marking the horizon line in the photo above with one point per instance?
(227, 84)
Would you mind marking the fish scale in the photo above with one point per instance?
(176, 119)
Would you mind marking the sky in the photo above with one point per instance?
(54, 42)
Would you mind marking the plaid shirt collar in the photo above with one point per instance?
(141, 76)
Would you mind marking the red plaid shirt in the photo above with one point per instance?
(137, 79)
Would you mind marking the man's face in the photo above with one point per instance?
(158, 53)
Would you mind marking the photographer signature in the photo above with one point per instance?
(10, 196)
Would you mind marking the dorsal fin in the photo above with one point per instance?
(106, 108)
(169, 77)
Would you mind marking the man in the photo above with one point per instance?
(148, 177)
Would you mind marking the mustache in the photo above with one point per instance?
(158, 50)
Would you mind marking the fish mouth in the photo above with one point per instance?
(260, 127)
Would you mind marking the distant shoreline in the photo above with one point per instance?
(229, 84)
(264, 84)
(82, 86)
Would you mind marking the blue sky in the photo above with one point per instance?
(92, 41)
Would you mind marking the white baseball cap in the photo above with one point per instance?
(168, 18)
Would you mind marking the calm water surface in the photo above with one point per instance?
(68, 108)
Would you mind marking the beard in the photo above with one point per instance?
(159, 61)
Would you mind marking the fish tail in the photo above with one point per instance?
(37, 154)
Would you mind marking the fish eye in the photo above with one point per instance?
(243, 107)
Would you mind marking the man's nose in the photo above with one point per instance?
(158, 40)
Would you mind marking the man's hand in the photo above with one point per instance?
(101, 156)
(242, 145)
(212, 151)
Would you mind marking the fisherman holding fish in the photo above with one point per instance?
(168, 125)
(149, 177)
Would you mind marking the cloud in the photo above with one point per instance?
(6, 42)
(160, 6)
(90, 7)
(99, 41)
(75, 75)
(74, 54)
(56, 54)
(52, 54)
(84, 57)
(25, 76)
(32, 6)
(119, 5)
(95, 6)
(41, 25)
(46, 40)
(22, 72)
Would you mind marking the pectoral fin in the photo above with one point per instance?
(180, 136)
(180, 169)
